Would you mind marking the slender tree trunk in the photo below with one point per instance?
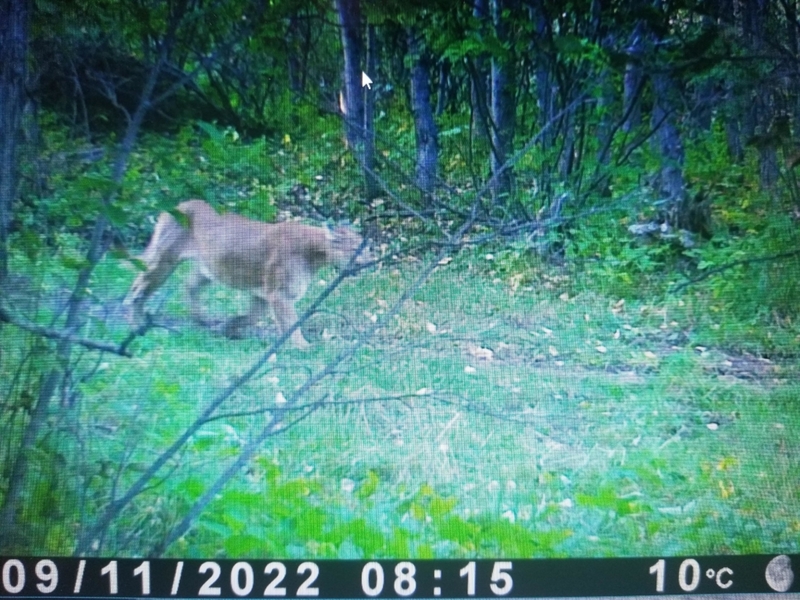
(680, 211)
(608, 114)
(567, 161)
(358, 114)
(479, 98)
(546, 90)
(669, 140)
(705, 95)
(733, 127)
(763, 110)
(424, 123)
(350, 22)
(443, 92)
(503, 109)
(14, 15)
(632, 82)
(771, 136)
(793, 45)
(294, 64)
(546, 94)
(605, 127)
(373, 188)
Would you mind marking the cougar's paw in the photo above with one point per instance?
(236, 327)
(299, 342)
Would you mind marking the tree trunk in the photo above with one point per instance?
(350, 21)
(371, 183)
(294, 64)
(705, 94)
(445, 86)
(503, 110)
(733, 127)
(478, 79)
(424, 123)
(605, 128)
(762, 112)
(793, 46)
(633, 80)
(671, 183)
(13, 53)
(546, 94)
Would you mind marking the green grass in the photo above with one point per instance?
(493, 416)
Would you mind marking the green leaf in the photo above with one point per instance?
(244, 545)
(96, 183)
(458, 530)
(311, 523)
(166, 388)
(442, 506)
(31, 244)
(369, 486)
(212, 131)
(180, 217)
(569, 45)
(73, 260)
(116, 215)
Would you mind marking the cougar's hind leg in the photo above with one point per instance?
(259, 310)
(198, 281)
(167, 248)
(236, 327)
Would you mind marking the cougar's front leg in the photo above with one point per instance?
(286, 316)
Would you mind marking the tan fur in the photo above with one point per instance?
(273, 262)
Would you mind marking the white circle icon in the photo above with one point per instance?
(779, 573)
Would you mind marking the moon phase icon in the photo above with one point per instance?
(779, 573)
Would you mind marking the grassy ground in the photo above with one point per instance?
(513, 414)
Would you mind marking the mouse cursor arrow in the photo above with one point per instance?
(365, 80)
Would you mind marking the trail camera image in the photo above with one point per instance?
(479, 281)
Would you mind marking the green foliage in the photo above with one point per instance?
(748, 294)
(212, 163)
(618, 262)
(341, 485)
(609, 355)
(296, 524)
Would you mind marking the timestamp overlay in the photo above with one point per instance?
(28, 577)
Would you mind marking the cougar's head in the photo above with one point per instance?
(345, 242)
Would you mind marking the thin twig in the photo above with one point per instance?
(731, 265)
(121, 350)
(116, 506)
(248, 452)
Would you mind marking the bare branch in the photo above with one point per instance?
(116, 506)
(53, 334)
(731, 265)
(270, 430)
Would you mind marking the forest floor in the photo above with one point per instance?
(493, 416)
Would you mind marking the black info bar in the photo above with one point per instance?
(28, 577)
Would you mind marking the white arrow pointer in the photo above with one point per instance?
(365, 80)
